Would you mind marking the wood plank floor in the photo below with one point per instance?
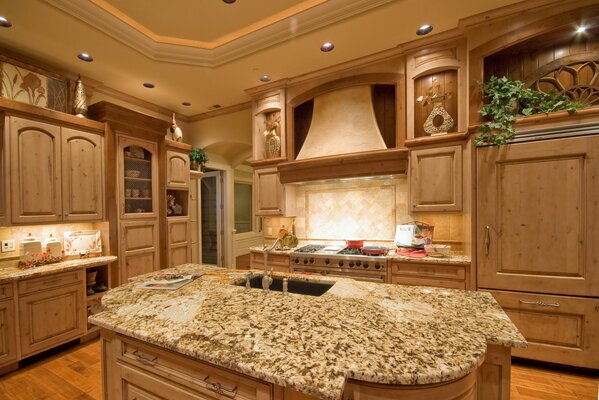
(73, 373)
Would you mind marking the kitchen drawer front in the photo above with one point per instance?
(6, 291)
(440, 271)
(50, 281)
(196, 375)
(419, 281)
(139, 385)
(274, 260)
(559, 329)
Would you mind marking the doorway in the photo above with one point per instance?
(211, 209)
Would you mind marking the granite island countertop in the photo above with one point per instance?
(9, 270)
(389, 334)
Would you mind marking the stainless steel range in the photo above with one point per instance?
(339, 261)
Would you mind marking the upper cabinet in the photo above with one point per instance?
(56, 174)
(177, 170)
(436, 179)
(137, 174)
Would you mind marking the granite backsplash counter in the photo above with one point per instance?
(371, 332)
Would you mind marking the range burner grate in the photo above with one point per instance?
(311, 248)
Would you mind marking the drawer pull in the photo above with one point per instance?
(220, 389)
(539, 303)
(144, 359)
(487, 239)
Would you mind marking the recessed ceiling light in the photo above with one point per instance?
(186, 103)
(265, 78)
(149, 85)
(229, 1)
(581, 29)
(326, 47)
(215, 107)
(424, 29)
(4, 22)
(85, 57)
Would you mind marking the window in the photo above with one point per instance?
(243, 207)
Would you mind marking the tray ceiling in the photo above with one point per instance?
(207, 52)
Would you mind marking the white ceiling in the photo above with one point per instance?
(208, 52)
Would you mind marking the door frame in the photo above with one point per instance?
(220, 219)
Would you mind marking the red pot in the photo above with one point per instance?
(354, 243)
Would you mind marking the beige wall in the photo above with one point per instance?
(368, 209)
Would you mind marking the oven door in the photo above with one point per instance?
(359, 276)
(308, 270)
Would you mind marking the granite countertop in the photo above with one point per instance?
(9, 270)
(459, 259)
(371, 332)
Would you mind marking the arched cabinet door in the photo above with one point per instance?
(35, 172)
(82, 177)
(177, 170)
(138, 178)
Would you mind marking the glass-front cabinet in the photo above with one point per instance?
(138, 178)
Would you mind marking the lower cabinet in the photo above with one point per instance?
(52, 310)
(8, 334)
(559, 329)
(452, 276)
(179, 246)
(278, 262)
(139, 248)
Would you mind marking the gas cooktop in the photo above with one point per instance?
(333, 250)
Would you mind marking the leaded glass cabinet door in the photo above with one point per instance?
(138, 178)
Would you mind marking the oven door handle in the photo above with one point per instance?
(360, 277)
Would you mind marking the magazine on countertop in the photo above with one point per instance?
(168, 281)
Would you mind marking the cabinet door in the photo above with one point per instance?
(177, 170)
(436, 179)
(537, 216)
(269, 192)
(82, 176)
(179, 251)
(8, 345)
(139, 249)
(34, 172)
(51, 317)
(137, 164)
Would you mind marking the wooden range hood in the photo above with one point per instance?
(353, 165)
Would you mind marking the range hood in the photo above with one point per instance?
(343, 141)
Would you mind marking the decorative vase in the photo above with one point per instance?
(80, 99)
(272, 145)
(194, 165)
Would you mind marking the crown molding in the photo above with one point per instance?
(220, 111)
(188, 52)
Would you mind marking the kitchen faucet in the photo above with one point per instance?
(267, 279)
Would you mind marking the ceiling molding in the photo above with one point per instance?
(309, 20)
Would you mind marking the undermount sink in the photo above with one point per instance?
(299, 287)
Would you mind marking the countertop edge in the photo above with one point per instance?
(13, 273)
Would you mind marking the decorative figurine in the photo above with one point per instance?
(80, 99)
(272, 141)
(432, 125)
(176, 132)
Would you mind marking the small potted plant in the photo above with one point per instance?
(198, 159)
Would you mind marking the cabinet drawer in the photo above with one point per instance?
(443, 271)
(559, 329)
(419, 281)
(274, 260)
(209, 381)
(6, 291)
(50, 281)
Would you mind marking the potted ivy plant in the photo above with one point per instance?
(198, 159)
(509, 99)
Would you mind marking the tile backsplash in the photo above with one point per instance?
(366, 208)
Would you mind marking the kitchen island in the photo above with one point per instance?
(358, 339)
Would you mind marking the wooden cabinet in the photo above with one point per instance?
(139, 252)
(177, 170)
(35, 172)
(51, 311)
(278, 262)
(56, 173)
(451, 276)
(179, 246)
(537, 214)
(270, 196)
(435, 179)
(8, 333)
(143, 371)
(82, 175)
(559, 329)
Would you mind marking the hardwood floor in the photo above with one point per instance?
(73, 373)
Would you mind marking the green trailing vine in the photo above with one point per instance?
(508, 100)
